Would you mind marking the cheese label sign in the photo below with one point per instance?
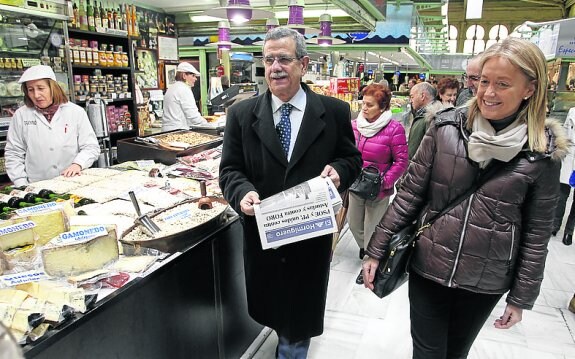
(172, 217)
(79, 235)
(44, 207)
(17, 227)
(11, 280)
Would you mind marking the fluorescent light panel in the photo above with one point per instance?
(474, 9)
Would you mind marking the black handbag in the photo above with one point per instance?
(368, 184)
(393, 268)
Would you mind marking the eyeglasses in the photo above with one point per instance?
(471, 77)
(283, 60)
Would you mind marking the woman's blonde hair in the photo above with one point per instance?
(528, 58)
(58, 95)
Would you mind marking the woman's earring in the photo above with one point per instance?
(526, 98)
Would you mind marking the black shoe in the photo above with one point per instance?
(359, 279)
(361, 253)
(567, 239)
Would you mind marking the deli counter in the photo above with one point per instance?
(189, 295)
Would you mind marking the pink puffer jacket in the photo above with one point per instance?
(387, 150)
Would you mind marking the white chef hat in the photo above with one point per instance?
(37, 72)
(187, 67)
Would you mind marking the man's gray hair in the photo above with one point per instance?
(282, 32)
(426, 87)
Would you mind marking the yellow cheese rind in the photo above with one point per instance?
(72, 259)
(16, 239)
(49, 225)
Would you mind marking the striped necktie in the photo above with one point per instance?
(283, 128)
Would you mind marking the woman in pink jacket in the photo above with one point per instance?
(382, 143)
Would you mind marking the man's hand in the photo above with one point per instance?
(73, 170)
(247, 203)
(330, 172)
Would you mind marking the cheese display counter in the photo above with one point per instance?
(91, 280)
(194, 302)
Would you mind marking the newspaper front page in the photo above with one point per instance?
(301, 212)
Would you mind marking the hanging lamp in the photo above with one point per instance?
(325, 38)
(238, 11)
(224, 43)
(296, 18)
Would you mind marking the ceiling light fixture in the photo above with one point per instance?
(224, 43)
(238, 11)
(325, 38)
(296, 19)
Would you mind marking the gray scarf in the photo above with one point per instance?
(485, 144)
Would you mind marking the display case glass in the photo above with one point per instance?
(26, 39)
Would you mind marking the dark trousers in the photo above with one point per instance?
(564, 191)
(445, 321)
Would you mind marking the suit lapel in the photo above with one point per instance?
(311, 127)
(265, 129)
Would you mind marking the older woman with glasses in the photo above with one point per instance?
(180, 109)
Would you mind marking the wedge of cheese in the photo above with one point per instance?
(13, 297)
(49, 225)
(16, 235)
(56, 293)
(71, 259)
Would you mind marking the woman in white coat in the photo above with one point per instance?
(49, 136)
(180, 109)
(567, 167)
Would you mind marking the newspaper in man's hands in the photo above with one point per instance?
(301, 212)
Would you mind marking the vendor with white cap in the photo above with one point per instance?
(49, 136)
(180, 109)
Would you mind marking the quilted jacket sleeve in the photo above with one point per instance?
(537, 219)
(400, 157)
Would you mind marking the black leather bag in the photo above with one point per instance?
(393, 268)
(368, 184)
(392, 271)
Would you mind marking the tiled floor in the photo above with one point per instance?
(359, 325)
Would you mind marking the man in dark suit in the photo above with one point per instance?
(286, 286)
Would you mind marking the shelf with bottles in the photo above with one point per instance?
(103, 85)
(115, 19)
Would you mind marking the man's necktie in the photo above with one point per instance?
(283, 128)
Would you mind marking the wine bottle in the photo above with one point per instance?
(110, 17)
(13, 202)
(26, 196)
(90, 14)
(135, 27)
(84, 201)
(128, 17)
(83, 17)
(97, 16)
(104, 16)
(116, 19)
(76, 17)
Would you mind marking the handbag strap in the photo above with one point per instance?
(482, 179)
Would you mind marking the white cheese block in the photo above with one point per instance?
(17, 235)
(56, 293)
(133, 264)
(76, 258)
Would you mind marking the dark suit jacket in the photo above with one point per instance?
(286, 287)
